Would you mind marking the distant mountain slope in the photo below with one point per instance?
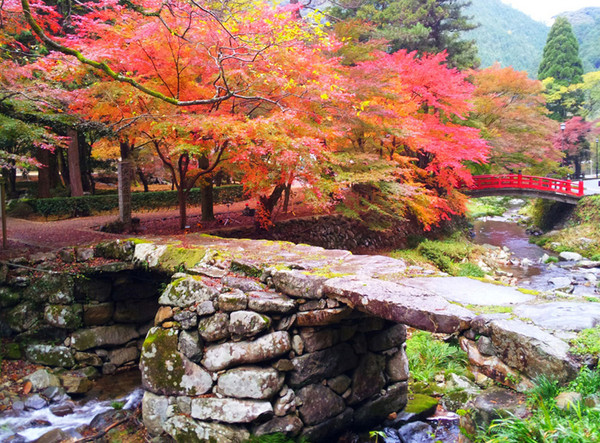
(507, 36)
(586, 26)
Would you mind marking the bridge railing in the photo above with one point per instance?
(519, 181)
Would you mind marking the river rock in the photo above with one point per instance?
(298, 284)
(568, 400)
(191, 345)
(251, 382)
(290, 425)
(570, 256)
(35, 401)
(49, 355)
(496, 403)
(368, 378)
(188, 291)
(166, 371)
(264, 348)
(183, 428)
(563, 316)
(417, 432)
(270, 302)
(75, 383)
(233, 301)
(319, 403)
(42, 379)
(247, 323)
(215, 327)
(314, 367)
(561, 282)
(230, 410)
(154, 412)
(103, 336)
(54, 436)
(63, 316)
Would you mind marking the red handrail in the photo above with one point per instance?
(518, 181)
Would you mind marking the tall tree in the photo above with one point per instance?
(573, 142)
(426, 26)
(560, 59)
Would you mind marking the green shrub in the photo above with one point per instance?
(444, 254)
(93, 204)
(470, 270)
(587, 342)
(428, 357)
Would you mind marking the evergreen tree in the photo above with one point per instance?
(426, 26)
(560, 59)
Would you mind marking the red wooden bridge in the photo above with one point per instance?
(526, 186)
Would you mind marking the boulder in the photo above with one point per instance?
(251, 382)
(230, 410)
(35, 401)
(570, 256)
(103, 336)
(167, 371)
(75, 383)
(264, 348)
(42, 379)
(322, 317)
(319, 339)
(186, 319)
(495, 403)
(48, 355)
(247, 323)
(54, 436)
(298, 284)
(92, 290)
(24, 316)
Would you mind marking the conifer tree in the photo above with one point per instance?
(560, 59)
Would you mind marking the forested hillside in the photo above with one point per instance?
(507, 36)
(586, 26)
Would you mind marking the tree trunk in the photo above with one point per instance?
(53, 170)
(124, 185)
(182, 199)
(63, 168)
(270, 202)
(207, 201)
(286, 197)
(43, 156)
(74, 165)
(85, 152)
(143, 178)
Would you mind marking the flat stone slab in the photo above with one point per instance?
(411, 306)
(562, 316)
(467, 291)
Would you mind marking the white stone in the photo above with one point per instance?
(230, 410)
(251, 382)
(570, 256)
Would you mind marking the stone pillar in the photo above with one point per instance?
(124, 176)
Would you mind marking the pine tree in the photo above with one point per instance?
(561, 55)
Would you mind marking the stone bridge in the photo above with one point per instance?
(262, 337)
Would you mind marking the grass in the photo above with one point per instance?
(486, 309)
(487, 206)
(428, 357)
(548, 423)
(587, 342)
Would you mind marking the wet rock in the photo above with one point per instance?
(62, 409)
(319, 403)
(250, 382)
(458, 382)
(561, 282)
(54, 393)
(35, 401)
(416, 432)
(289, 425)
(214, 328)
(314, 367)
(54, 436)
(154, 412)
(368, 378)
(264, 348)
(299, 284)
(49, 355)
(191, 345)
(390, 338)
(230, 410)
(183, 428)
(233, 301)
(496, 403)
(166, 371)
(270, 302)
(63, 316)
(42, 379)
(247, 323)
(97, 314)
(375, 410)
(103, 336)
(187, 292)
(75, 383)
(105, 419)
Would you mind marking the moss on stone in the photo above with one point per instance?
(420, 404)
(8, 297)
(161, 363)
(529, 291)
(64, 316)
(176, 257)
(241, 267)
(486, 309)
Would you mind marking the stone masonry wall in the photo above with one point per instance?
(229, 356)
